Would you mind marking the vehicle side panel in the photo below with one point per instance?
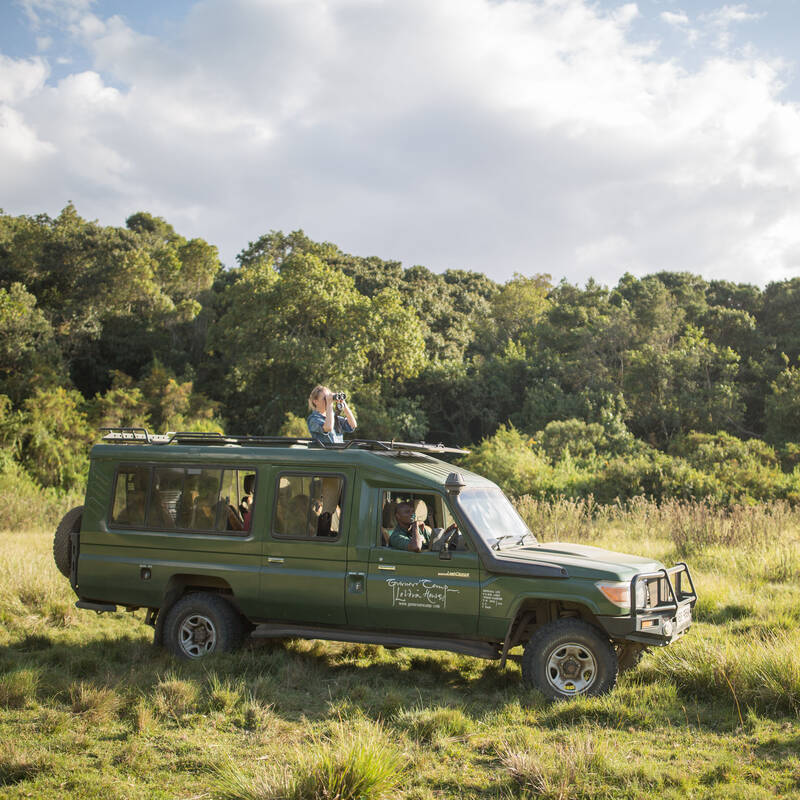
(501, 596)
(133, 567)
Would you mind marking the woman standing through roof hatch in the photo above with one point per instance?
(324, 425)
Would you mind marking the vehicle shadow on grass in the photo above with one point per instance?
(298, 679)
(780, 749)
(315, 680)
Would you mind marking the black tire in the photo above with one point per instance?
(62, 541)
(200, 624)
(567, 658)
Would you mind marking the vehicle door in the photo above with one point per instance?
(305, 548)
(426, 592)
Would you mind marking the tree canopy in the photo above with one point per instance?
(138, 325)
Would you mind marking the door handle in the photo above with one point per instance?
(356, 582)
(274, 560)
(387, 567)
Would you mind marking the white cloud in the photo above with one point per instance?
(500, 136)
(40, 12)
(721, 20)
(20, 78)
(18, 142)
(679, 19)
(728, 15)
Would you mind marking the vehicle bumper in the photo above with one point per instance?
(656, 630)
(667, 614)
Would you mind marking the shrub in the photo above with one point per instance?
(55, 438)
(583, 440)
(24, 504)
(508, 459)
(652, 474)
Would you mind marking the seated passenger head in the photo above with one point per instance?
(249, 483)
(298, 505)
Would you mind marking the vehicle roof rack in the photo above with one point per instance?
(143, 436)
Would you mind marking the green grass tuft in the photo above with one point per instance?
(352, 763)
(434, 725)
(18, 687)
(175, 697)
(97, 704)
(17, 764)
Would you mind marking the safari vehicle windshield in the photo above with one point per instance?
(493, 517)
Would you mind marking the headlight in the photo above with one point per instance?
(641, 594)
(620, 593)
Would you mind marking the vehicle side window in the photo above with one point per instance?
(430, 509)
(167, 488)
(190, 498)
(130, 495)
(197, 505)
(308, 506)
(228, 515)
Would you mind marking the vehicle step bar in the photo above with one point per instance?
(269, 630)
(98, 607)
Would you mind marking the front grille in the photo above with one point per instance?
(658, 592)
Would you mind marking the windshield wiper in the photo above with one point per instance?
(522, 538)
(496, 545)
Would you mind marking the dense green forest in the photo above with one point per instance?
(667, 385)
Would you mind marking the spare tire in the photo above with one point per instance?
(62, 541)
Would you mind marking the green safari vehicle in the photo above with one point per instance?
(219, 537)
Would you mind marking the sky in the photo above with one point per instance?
(578, 139)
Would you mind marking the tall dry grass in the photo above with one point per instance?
(691, 526)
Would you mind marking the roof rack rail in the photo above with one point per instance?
(376, 444)
(143, 436)
(134, 435)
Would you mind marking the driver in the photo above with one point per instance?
(410, 533)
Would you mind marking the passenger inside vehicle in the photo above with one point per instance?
(327, 506)
(427, 512)
(246, 504)
(131, 497)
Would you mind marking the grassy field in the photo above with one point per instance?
(89, 709)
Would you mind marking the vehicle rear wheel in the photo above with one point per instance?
(200, 624)
(62, 541)
(567, 658)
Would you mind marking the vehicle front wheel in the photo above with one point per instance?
(567, 658)
(200, 624)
